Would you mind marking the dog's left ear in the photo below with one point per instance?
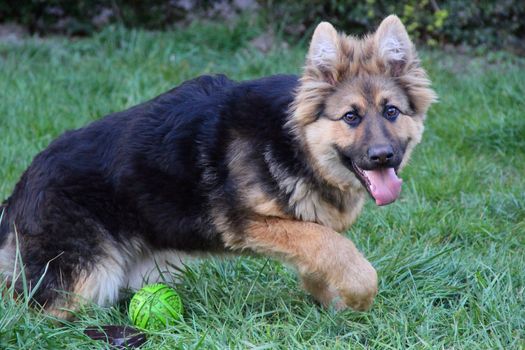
(393, 44)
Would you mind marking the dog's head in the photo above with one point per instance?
(360, 107)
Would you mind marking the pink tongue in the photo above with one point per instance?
(384, 185)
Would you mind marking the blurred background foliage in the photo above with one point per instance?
(480, 23)
(494, 23)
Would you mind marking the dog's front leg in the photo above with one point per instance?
(331, 267)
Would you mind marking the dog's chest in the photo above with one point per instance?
(332, 207)
(339, 213)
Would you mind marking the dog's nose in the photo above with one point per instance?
(380, 154)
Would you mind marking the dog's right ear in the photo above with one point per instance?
(323, 51)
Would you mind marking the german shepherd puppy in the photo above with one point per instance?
(276, 166)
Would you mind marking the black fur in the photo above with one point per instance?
(153, 171)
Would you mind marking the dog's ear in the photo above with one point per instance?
(393, 44)
(324, 49)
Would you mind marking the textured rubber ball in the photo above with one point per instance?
(155, 306)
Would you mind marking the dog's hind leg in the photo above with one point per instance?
(61, 274)
(331, 267)
(66, 284)
(98, 283)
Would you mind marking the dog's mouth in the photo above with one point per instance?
(382, 184)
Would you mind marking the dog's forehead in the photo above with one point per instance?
(366, 92)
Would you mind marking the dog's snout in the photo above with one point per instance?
(380, 154)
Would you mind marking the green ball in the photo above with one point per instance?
(154, 307)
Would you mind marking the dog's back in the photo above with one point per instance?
(128, 185)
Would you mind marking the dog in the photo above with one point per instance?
(277, 166)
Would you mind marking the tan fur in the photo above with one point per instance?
(310, 206)
(246, 179)
(323, 258)
(324, 293)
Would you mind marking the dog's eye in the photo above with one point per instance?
(352, 118)
(391, 113)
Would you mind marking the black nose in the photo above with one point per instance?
(380, 154)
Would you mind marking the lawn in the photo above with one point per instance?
(450, 253)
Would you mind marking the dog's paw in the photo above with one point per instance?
(339, 276)
(350, 292)
(349, 280)
(358, 297)
(325, 294)
(357, 286)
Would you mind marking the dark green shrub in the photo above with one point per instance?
(479, 22)
(83, 17)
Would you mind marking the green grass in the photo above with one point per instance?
(450, 253)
